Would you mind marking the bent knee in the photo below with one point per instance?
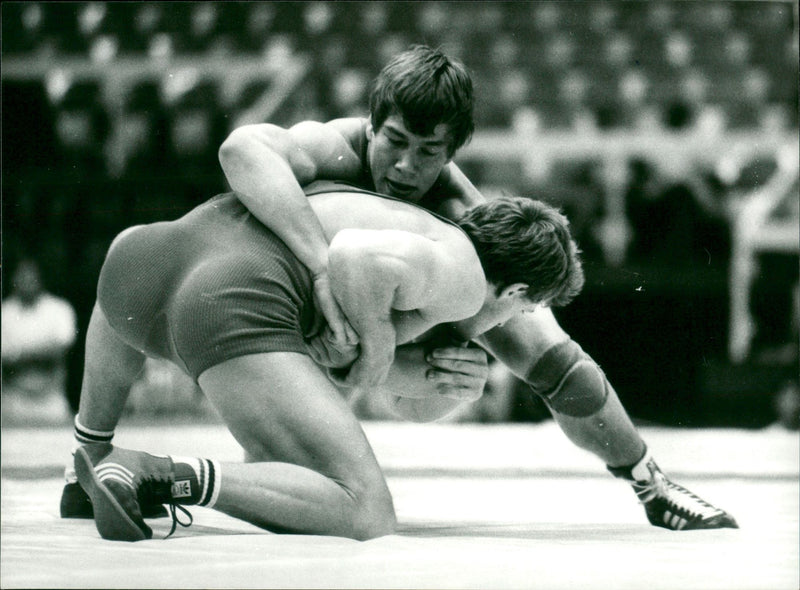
(374, 523)
(374, 515)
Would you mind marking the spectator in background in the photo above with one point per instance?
(38, 330)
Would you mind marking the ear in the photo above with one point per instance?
(370, 131)
(514, 291)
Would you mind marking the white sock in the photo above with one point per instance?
(641, 471)
(208, 476)
(83, 435)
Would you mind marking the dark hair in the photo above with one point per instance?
(426, 88)
(520, 240)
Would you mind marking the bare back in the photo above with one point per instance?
(458, 276)
(343, 210)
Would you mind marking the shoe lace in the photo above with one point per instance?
(157, 490)
(678, 498)
(177, 521)
(154, 490)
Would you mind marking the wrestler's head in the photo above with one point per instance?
(528, 256)
(27, 281)
(420, 114)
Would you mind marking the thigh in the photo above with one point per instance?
(280, 406)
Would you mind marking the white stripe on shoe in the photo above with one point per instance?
(115, 471)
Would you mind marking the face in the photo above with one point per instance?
(405, 165)
(497, 310)
(27, 282)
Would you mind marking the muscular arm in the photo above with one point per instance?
(393, 285)
(411, 394)
(266, 165)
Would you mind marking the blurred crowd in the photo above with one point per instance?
(599, 63)
(38, 329)
(99, 134)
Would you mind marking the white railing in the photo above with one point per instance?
(755, 230)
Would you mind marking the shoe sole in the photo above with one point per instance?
(81, 508)
(111, 520)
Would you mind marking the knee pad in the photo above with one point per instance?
(569, 381)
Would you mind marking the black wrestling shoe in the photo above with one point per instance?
(668, 504)
(75, 503)
(118, 482)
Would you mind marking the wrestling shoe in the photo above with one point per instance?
(75, 503)
(668, 504)
(119, 482)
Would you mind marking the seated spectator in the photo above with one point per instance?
(38, 330)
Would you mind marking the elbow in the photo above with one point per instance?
(248, 145)
(231, 151)
(425, 410)
(405, 409)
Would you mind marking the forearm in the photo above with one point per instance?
(409, 393)
(365, 285)
(427, 409)
(267, 185)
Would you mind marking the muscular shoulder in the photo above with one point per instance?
(448, 259)
(464, 274)
(330, 146)
(351, 128)
(449, 276)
